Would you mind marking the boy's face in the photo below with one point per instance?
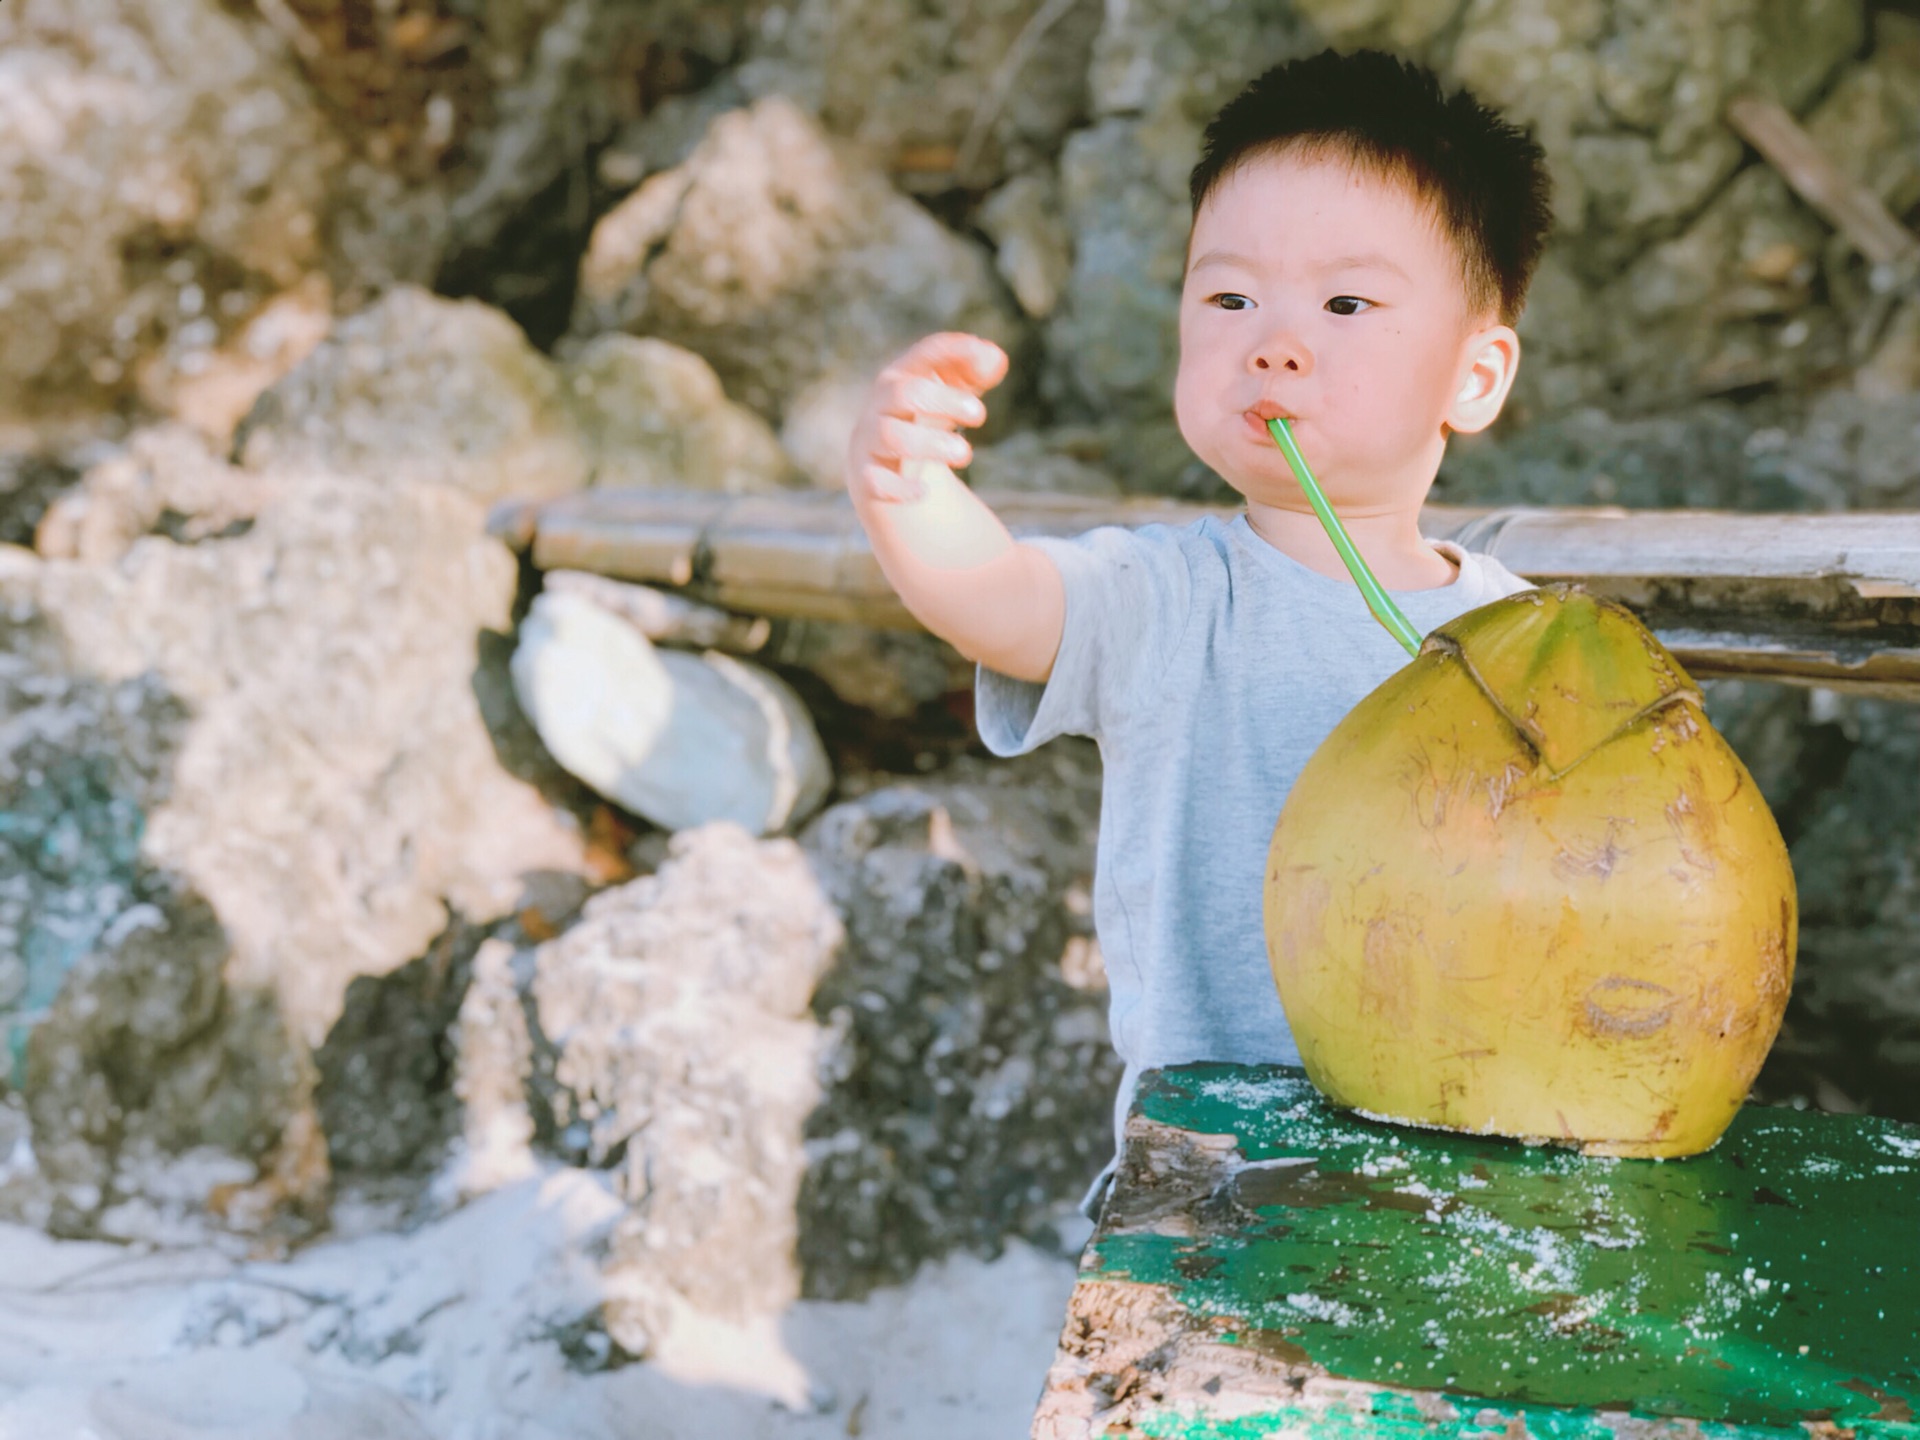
(1321, 293)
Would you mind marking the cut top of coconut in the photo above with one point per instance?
(1568, 670)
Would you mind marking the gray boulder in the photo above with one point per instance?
(791, 264)
(1838, 451)
(945, 97)
(891, 673)
(421, 390)
(673, 1043)
(1035, 248)
(974, 1077)
(810, 1068)
(165, 481)
(1851, 1040)
(654, 416)
(145, 1053)
(282, 723)
(1629, 99)
(161, 172)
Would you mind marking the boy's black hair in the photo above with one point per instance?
(1485, 178)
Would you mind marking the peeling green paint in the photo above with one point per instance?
(1391, 1418)
(1771, 1282)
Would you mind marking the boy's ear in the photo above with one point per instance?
(1492, 357)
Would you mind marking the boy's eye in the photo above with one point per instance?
(1233, 302)
(1347, 304)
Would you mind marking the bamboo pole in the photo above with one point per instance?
(1829, 599)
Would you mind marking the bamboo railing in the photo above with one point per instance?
(1830, 600)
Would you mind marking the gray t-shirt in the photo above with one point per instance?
(1208, 665)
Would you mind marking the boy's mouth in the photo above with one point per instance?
(1265, 410)
(1258, 415)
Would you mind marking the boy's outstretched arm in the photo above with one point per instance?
(960, 573)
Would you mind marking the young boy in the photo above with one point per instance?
(1361, 246)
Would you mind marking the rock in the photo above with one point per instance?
(316, 768)
(1058, 462)
(144, 1051)
(212, 390)
(1035, 252)
(973, 1078)
(1159, 72)
(667, 134)
(948, 98)
(31, 480)
(420, 390)
(1629, 97)
(82, 763)
(1708, 456)
(674, 1045)
(864, 1051)
(1165, 60)
(1113, 344)
(679, 739)
(385, 1071)
(1892, 371)
(164, 172)
(564, 79)
(819, 425)
(1419, 29)
(1854, 451)
(1840, 451)
(655, 416)
(166, 481)
(1869, 122)
(493, 1049)
(663, 617)
(787, 261)
(1852, 1033)
(1726, 305)
(892, 673)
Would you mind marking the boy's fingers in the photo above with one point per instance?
(921, 397)
(960, 359)
(925, 398)
(903, 440)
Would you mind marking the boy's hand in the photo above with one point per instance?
(913, 409)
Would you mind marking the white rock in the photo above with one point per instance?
(680, 739)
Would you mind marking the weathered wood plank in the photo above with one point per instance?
(1831, 599)
(1266, 1265)
(1852, 207)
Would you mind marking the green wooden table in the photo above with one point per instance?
(1267, 1265)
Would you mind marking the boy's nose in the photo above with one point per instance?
(1282, 350)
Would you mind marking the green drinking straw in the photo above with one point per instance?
(1378, 601)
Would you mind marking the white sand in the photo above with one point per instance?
(439, 1332)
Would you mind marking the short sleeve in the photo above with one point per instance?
(1128, 593)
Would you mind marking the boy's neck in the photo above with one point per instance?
(1390, 542)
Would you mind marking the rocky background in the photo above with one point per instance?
(320, 879)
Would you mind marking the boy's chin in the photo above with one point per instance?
(1281, 492)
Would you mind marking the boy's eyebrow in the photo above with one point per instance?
(1371, 260)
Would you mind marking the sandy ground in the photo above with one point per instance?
(448, 1332)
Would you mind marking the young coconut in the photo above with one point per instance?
(1525, 888)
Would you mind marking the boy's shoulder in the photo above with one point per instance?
(1205, 539)
(1221, 550)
